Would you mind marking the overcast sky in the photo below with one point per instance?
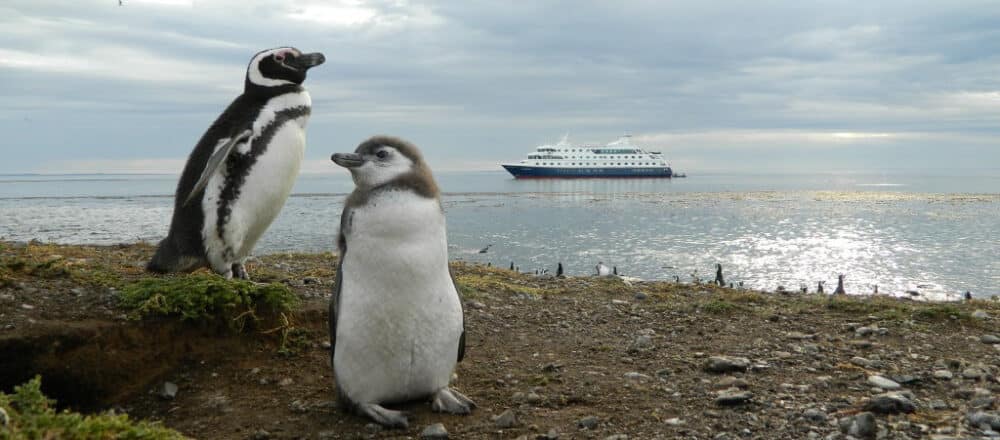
(91, 86)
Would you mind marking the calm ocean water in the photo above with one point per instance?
(936, 233)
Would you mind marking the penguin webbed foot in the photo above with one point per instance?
(451, 401)
(383, 416)
(240, 271)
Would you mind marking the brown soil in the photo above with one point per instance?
(554, 351)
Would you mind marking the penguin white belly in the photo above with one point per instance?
(267, 186)
(400, 318)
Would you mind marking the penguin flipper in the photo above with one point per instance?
(215, 162)
(335, 305)
(461, 339)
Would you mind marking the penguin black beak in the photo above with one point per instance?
(307, 61)
(348, 160)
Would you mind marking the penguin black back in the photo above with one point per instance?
(184, 249)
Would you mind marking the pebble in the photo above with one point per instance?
(533, 398)
(27, 307)
(551, 435)
(617, 437)
(973, 373)
(980, 314)
(168, 390)
(633, 375)
(815, 416)
(674, 421)
(589, 422)
(434, 432)
(285, 382)
(641, 343)
(725, 364)
(884, 383)
(799, 335)
(476, 305)
(325, 344)
(732, 382)
(505, 420)
(297, 406)
(732, 396)
(640, 296)
(862, 425)
(982, 418)
(943, 374)
(990, 339)
(890, 403)
(261, 434)
(938, 404)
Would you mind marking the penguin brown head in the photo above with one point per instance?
(281, 66)
(385, 161)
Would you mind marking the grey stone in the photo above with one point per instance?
(434, 432)
(551, 435)
(799, 335)
(943, 374)
(641, 343)
(674, 421)
(640, 296)
(905, 379)
(980, 314)
(981, 418)
(261, 434)
(890, 403)
(476, 305)
(589, 422)
(617, 437)
(297, 406)
(990, 339)
(732, 397)
(862, 425)
(973, 373)
(533, 398)
(814, 415)
(505, 420)
(883, 383)
(725, 364)
(168, 390)
(636, 376)
(285, 382)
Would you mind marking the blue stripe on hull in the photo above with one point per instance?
(519, 171)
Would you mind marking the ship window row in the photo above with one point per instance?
(601, 164)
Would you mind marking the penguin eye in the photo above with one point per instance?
(279, 57)
(382, 154)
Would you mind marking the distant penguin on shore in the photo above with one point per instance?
(511, 265)
(485, 249)
(397, 327)
(602, 270)
(968, 295)
(240, 173)
(819, 287)
(559, 270)
(718, 275)
(840, 285)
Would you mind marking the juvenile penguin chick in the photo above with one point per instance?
(396, 321)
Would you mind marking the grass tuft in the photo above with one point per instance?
(31, 415)
(206, 297)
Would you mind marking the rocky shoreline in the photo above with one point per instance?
(581, 357)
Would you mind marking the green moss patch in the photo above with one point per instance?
(206, 297)
(31, 415)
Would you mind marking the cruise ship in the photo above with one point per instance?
(616, 159)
